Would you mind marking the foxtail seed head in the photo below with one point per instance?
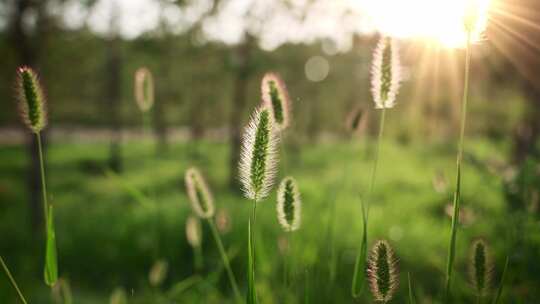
(480, 267)
(258, 158)
(193, 231)
(31, 99)
(276, 98)
(144, 89)
(199, 194)
(382, 272)
(158, 272)
(118, 296)
(385, 73)
(356, 120)
(289, 204)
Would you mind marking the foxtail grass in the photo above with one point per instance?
(289, 204)
(457, 193)
(288, 208)
(33, 111)
(158, 273)
(382, 272)
(480, 268)
(144, 89)
(276, 98)
(202, 203)
(12, 281)
(385, 83)
(118, 296)
(257, 166)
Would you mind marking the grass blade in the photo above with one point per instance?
(306, 288)
(178, 288)
(51, 266)
(135, 193)
(251, 295)
(225, 260)
(501, 284)
(411, 294)
(12, 281)
(359, 278)
(457, 194)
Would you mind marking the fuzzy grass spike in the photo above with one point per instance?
(32, 104)
(385, 73)
(289, 204)
(200, 197)
(480, 267)
(258, 158)
(276, 98)
(382, 272)
(202, 204)
(144, 89)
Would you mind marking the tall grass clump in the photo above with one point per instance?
(33, 111)
(288, 207)
(480, 268)
(385, 83)
(382, 272)
(257, 166)
(470, 22)
(202, 203)
(194, 238)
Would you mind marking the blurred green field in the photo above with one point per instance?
(109, 238)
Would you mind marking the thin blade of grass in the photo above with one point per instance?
(12, 281)
(358, 281)
(251, 295)
(457, 194)
(225, 259)
(411, 294)
(178, 288)
(501, 284)
(306, 288)
(135, 193)
(51, 265)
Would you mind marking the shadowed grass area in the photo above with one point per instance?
(106, 238)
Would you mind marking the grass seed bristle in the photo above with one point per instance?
(289, 204)
(276, 98)
(144, 89)
(258, 157)
(382, 271)
(32, 105)
(385, 73)
(200, 197)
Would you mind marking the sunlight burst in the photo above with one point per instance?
(435, 20)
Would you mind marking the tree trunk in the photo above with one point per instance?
(242, 55)
(27, 50)
(113, 72)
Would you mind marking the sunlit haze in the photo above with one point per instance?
(439, 21)
(436, 20)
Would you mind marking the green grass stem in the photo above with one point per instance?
(457, 194)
